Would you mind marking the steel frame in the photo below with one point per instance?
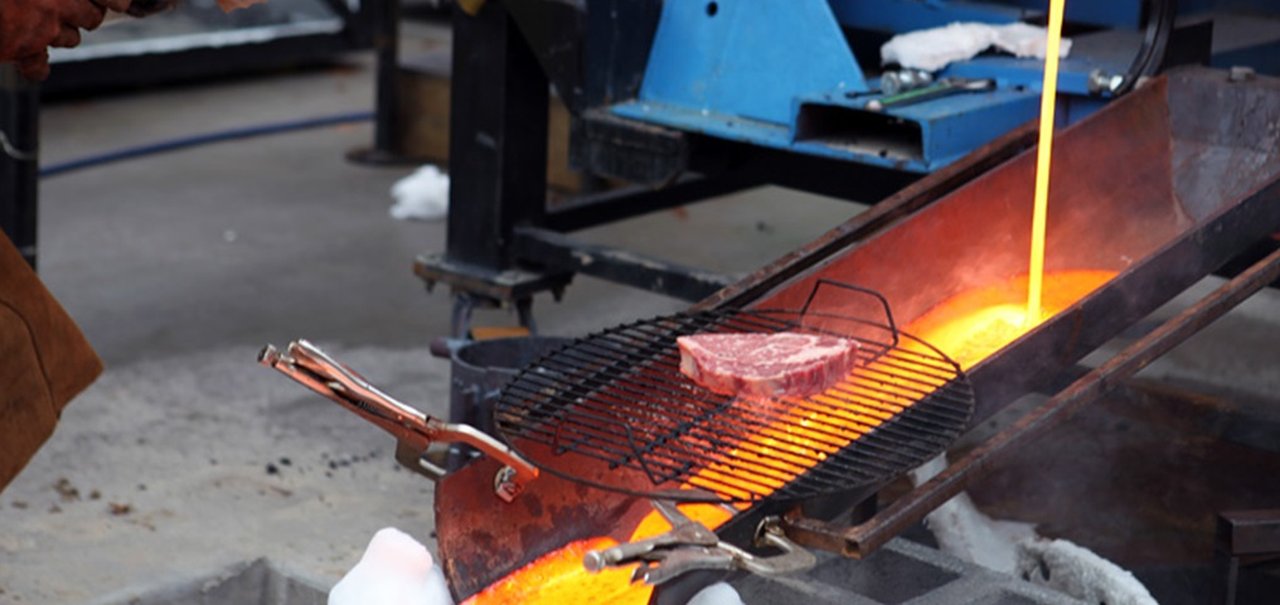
(19, 185)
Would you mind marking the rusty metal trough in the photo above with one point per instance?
(1162, 187)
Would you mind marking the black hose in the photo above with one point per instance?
(232, 134)
(1155, 43)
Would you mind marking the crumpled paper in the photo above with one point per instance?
(935, 48)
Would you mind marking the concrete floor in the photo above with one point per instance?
(186, 458)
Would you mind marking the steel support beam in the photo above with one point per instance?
(19, 167)
(561, 253)
(497, 138)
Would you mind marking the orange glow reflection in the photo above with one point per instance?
(968, 328)
(558, 578)
(973, 325)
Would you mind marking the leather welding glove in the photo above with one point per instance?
(29, 27)
(44, 362)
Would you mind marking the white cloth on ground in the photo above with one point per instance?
(423, 195)
(1014, 547)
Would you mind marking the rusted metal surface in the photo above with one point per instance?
(1134, 193)
(482, 539)
(865, 538)
(1249, 532)
(1244, 537)
(1158, 461)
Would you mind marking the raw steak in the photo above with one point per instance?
(767, 365)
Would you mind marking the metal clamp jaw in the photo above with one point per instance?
(414, 431)
(691, 546)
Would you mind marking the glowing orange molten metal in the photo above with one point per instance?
(557, 578)
(968, 328)
(973, 325)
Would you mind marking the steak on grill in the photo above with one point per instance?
(767, 365)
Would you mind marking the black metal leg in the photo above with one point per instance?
(524, 312)
(388, 146)
(460, 323)
(19, 167)
(497, 138)
(1243, 538)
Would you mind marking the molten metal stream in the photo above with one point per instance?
(1044, 153)
(968, 328)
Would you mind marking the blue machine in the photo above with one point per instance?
(688, 100)
(783, 74)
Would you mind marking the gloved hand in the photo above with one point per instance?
(29, 27)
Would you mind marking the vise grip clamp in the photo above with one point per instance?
(414, 431)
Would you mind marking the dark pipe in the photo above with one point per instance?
(128, 153)
(387, 145)
(19, 127)
(1150, 57)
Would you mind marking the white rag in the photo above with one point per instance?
(1014, 547)
(935, 48)
(395, 570)
(717, 594)
(423, 195)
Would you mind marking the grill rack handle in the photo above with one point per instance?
(884, 302)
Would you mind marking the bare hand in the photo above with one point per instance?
(29, 27)
(34, 68)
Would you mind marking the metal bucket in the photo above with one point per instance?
(478, 372)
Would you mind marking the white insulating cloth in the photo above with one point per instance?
(395, 570)
(967, 533)
(935, 48)
(717, 594)
(1079, 572)
(423, 195)
(1015, 548)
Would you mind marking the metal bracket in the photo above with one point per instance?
(545, 247)
(691, 546)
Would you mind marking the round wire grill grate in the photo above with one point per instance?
(613, 410)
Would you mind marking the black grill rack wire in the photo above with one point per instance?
(614, 411)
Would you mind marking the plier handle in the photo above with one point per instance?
(414, 431)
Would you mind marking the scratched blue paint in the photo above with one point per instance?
(747, 58)
(950, 127)
(955, 125)
(765, 134)
(1073, 77)
(744, 72)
